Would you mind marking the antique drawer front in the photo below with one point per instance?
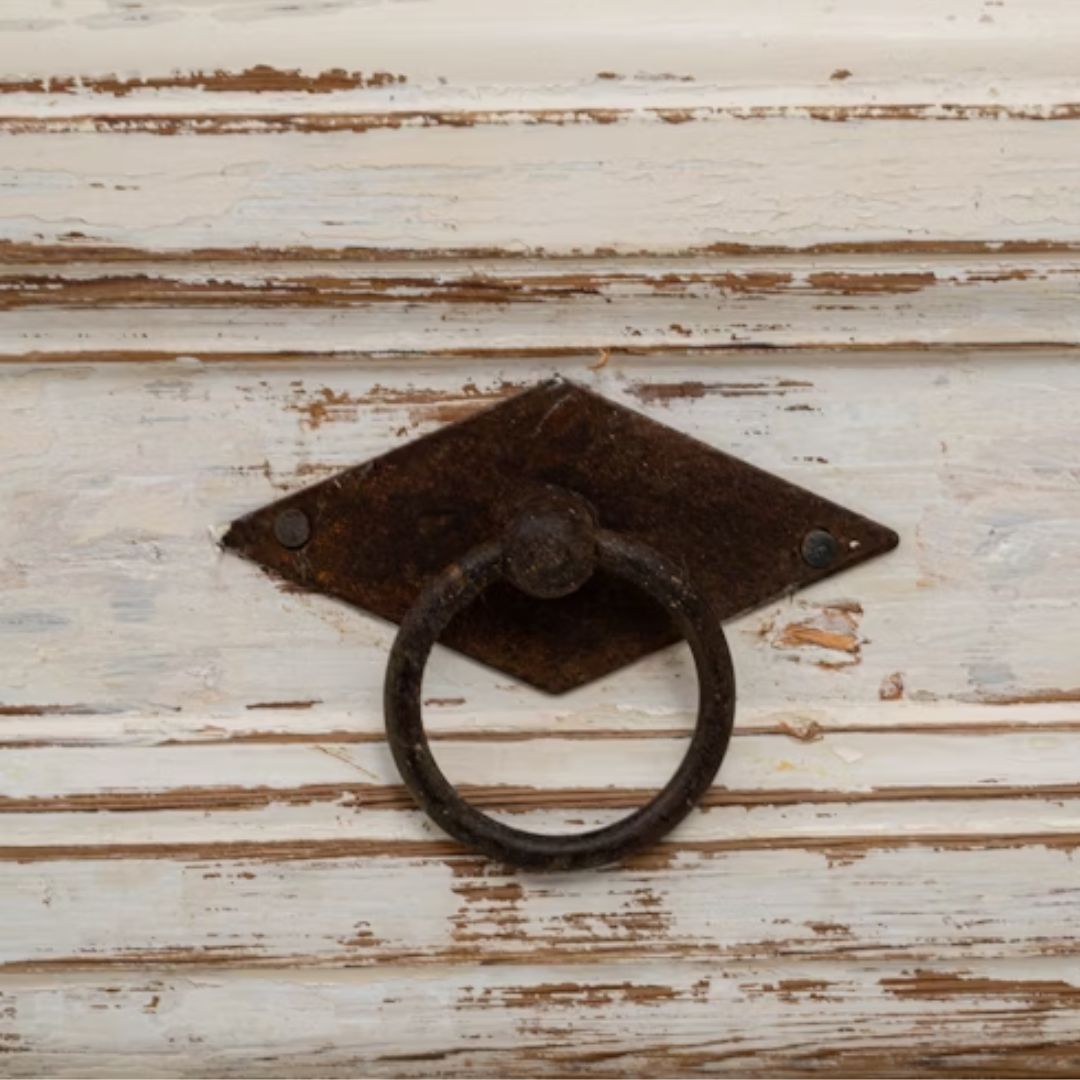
(259, 262)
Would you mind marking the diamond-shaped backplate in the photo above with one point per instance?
(381, 530)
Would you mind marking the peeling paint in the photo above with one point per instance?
(228, 123)
(665, 393)
(258, 79)
(943, 986)
(892, 687)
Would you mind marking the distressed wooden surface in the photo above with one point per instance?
(119, 598)
(401, 55)
(598, 1019)
(245, 244)
(646, 184)
(72, 305)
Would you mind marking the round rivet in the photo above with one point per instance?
(551, 545)
(819, 549)
(550, 554)
(292, 529)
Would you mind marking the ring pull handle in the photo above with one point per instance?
(550, 549)
(370, 534)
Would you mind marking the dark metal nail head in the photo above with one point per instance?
(551, 546)
(292, 529)
(819, 549)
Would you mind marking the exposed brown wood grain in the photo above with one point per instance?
(892, 687)
(568, 995)
(834, 847)
(257, 79)
(308, 704)
(802, 634)
(803, 729)
(324, 404)
(937, 1056)
(545, 353)
(81, 248)
(694, 1024)
(227, 123)
(1037, 697)
(283, 290)
(665, 392)
(143, 290)
(846, 284)
(506, 797)
(943, 986)
(47, 710)
(137, 290)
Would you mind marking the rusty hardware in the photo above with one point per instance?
(557, 537)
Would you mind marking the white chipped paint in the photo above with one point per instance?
(873, 904)
(845, 761)
(450, 717)
(680, 52)
(463, 1020)
(919, 816)
(663, 187)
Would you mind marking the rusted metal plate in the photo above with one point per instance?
(375, 534)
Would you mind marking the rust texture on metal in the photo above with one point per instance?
(375, 535)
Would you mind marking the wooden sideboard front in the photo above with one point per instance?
(244, 245)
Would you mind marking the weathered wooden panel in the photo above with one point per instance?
(229, 907)
(54, 305)
(246, 244)
(119, 599)
(258, 55)
(279, 836)
(663, 186)
(581, 772)
(626, 1019)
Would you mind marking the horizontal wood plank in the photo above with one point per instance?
(433, 904)
(606, 52)
(582, 772)
(345, 819)
(843, 301)
(455, 718)
(648, 184)
(634, 1019)
(119, 599)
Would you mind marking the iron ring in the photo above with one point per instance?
(452, 591)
